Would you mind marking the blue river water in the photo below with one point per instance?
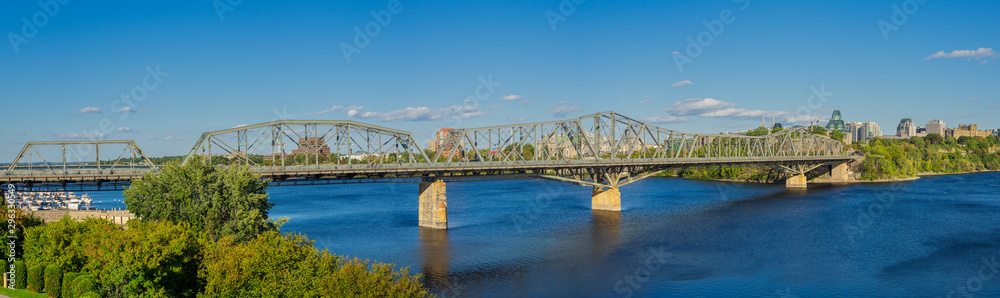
(936, 236)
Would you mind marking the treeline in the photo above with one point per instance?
(205, 232)
(892, 158)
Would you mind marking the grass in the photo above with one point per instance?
(25, 293)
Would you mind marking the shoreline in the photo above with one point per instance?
(852, 181)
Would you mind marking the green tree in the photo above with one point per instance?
(20, 274)
(53, 280)
(36, 281)
(219, 201)
(816, 129)
(275, 265)
(67, 284)
(837, 135)
(934, 138)
(759, 131)
(64, 243)
(147, 260)
(777, 130)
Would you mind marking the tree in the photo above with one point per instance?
(20, 274)
(67, 284)
(759, 131)
(147, 260)
(933, 138)
(777, 130)
(837, 135)
(36, 281)
(816, 129)
(53, 280)
(219, 201)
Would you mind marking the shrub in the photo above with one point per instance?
(90, 295)
(83, 284)
(20, 275)
(53, 280)
(36, 282)
(67, 284)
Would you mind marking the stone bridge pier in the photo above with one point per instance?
(837, 174)
(433, 205)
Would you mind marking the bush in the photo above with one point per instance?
(53, 280)
(90, 295)
(36, 282)
(20, 275)
(67, 284)
(83, 284)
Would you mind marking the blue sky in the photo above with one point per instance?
(221, 65)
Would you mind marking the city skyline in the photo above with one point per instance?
(186, 68)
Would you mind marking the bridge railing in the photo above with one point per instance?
(80, 158)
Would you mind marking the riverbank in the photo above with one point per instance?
(118, 217)
(852, 181)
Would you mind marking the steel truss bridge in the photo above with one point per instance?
(603, 150)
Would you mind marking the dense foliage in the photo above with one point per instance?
(53, 280)
(67, 284)
(889, 158)
(205, 234)
(36, 281)
(219, 201)
(20, 276)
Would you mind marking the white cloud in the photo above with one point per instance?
(240, 125)
(354, 111)
(681, 84)
(423, 113)
(967, 115)
(88, 110)
(80, 136)
(693, 106)
(172, 138)
(150, 138)
(644, 101)
(526, 102)
(974, 99)
(713, 108)
(561, 109)
(646, 96)
(516, 119)
(981, 53)
(131, 110)
(512, 97)
(621, 96)
(495, 107)
(331, 109)
(126, 129)
(664, 119)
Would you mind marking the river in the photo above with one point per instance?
(674, 237)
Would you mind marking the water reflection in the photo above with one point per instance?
(606, 232)
(435, 252)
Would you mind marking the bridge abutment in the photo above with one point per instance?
(606, 199)
(796, 182)
(433, 205)
(839, 173)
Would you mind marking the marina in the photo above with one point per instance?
(51, 200)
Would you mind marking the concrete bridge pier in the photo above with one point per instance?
(606, 199)
(839, 173)
(433, 205)
(797, 181)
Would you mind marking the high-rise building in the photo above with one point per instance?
(906, 129)
(446, 149)
(870, 130)
(854, 129)
(836, 123)
(935, 126)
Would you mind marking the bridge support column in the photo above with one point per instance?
(433, 205)
(839, 173)
(796, 182)
(606, 199)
